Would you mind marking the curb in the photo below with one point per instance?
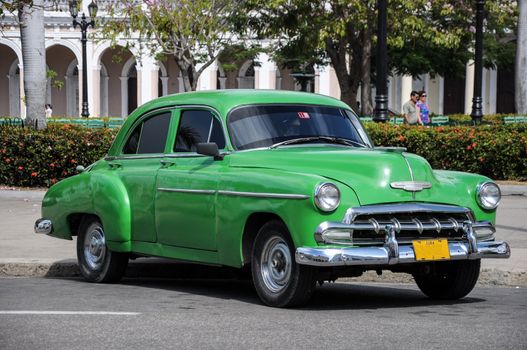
(164, 269)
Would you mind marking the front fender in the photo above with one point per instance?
(112, 205)
(299, 215)
(90, 193)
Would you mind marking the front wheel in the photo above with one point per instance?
(278, 279)
(449, 279)
(96, 262)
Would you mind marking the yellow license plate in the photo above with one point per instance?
(431, 249)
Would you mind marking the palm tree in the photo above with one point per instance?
(31, 17)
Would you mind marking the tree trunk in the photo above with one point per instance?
(188, 74)
(348, 80)
(521, 60)
(366, 106)
(34, 57)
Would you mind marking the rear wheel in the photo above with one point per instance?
(278, 279)
(96, 262)
(449, 280)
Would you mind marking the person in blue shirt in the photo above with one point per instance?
(423, 108)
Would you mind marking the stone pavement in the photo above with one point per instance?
(24, 253)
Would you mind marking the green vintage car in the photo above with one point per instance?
(287, 184)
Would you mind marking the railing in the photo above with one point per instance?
(56, 5)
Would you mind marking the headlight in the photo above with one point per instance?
(488, 195)
(327, 197)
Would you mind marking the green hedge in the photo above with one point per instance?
(41, 158)
(497, 151)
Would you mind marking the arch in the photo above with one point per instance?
(72, 89)
(13, 46)
(105, 45)
(127, 66)
(221, 78)
(129, 87)
(162, 87)
(66, 43)
(62, 59)
(246, 75)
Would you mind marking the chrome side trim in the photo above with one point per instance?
(43, 226)
(184, 190)
(409, 167)
(382, 255)
(263, 195)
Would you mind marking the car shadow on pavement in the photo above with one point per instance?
(232, 284)
(375, 296)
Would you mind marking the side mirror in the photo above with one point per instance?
(209, 149)
(79, 169)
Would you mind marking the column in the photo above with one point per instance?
(92, 88)
(323, 81)
(334, 88)
(207, 79)
(266, 73)
(139, 70)
(469, 86)
(493, 93)
(22, 93)
(124, 96)
(441, 97)
(149, 79)
(406, 90)
(95, 108)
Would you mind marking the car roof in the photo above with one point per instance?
(225, 100)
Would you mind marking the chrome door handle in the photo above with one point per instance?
(114, 165)
(166, 163)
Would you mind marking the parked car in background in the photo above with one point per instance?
(287, 183)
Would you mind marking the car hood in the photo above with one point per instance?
(369, 172)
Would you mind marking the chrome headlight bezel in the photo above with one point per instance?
(323, 200)
(482, 195)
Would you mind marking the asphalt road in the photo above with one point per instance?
(45, 313)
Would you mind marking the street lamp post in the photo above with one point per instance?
(477, 100)
(92, 11)
(381, 96)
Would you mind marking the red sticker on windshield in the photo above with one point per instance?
(303, 115)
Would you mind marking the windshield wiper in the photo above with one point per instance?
(328, 139)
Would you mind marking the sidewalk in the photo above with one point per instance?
(24, 253)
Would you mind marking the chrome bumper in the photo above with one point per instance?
(387, 256)
(44, 226)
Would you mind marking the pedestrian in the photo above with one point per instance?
(424, 111)
(49, 110)
(411, 111)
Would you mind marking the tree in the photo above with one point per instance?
(521, 59)
(31, 23)
(423, 36)
(192, 32)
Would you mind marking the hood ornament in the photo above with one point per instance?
(411, 186)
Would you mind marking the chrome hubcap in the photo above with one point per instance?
(275, 264)
(94, 248)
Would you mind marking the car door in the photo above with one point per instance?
(137, 168)
(188, 182)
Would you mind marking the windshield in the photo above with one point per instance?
(276, 125)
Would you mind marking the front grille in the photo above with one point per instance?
(409, 226)
(410, 220)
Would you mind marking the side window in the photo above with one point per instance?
(150, 136)
(195, 127)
